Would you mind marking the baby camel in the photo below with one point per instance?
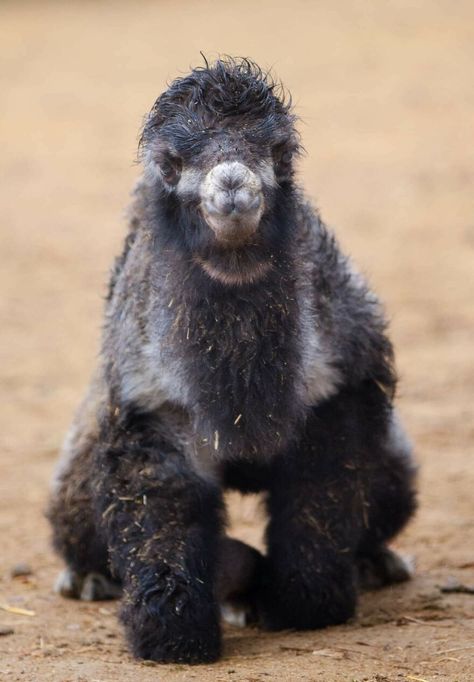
(240, 350)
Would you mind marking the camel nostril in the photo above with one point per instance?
(246, 201)
(233, 203)
(222, 203)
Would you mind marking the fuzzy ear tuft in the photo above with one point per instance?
(282, 156)
(170, 166)
(162, 161)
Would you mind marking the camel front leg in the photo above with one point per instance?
(162, 523)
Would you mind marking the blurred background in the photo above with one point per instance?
(385, 96)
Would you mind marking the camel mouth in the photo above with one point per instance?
(234, 230)
(233, 207)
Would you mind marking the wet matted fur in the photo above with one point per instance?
(241, 349)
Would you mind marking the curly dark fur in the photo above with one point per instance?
(239, 351)
(216, 96)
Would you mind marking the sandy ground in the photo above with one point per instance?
(385, 92)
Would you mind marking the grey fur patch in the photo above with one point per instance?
(68, 584)
(147, 370)
(397, 440)
(320, 377)
(234, 615)
(150, 379)
(91, 587)
(96, 587)
(266, 173)
(82, 432)
(151, 169)
(386, 567)
(190, 182)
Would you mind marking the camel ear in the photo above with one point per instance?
(282, 156)
(169, 163)
(162, 162)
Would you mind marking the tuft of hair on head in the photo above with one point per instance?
(211, 94)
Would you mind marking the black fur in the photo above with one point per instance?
(261, 365)
(207, 103)
(326, 510)
(150, 503)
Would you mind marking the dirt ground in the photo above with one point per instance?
(385, 91)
